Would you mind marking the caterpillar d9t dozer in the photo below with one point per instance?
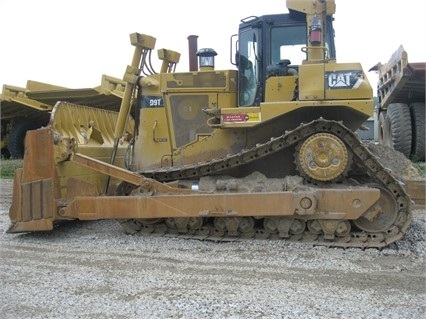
(265, 151)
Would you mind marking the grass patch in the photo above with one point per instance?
(421, 167)
(8, 167)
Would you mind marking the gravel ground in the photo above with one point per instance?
(94, 270)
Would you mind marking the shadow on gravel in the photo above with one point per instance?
(67, 229)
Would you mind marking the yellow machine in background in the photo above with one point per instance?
(264, 151)
(28, 108)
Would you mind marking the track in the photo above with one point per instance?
(361, 233)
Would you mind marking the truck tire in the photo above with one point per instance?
(418, 126)
(398, 131)
(16, 138)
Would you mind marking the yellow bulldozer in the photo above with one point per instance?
(267, 150)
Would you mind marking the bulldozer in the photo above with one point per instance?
(267, 150)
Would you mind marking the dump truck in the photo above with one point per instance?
(400, 112)
(23, 109)
(267, 150)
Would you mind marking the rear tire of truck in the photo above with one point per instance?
(418, 126)
(16, 138)
(398, 131)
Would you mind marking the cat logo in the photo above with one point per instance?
(346, 79)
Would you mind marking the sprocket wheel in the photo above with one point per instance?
(322, 157)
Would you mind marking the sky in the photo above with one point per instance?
(73, 43)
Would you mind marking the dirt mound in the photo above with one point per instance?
(395, 161)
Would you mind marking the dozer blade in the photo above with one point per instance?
(33, 202)
(48, 178)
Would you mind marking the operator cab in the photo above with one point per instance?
(273, 45)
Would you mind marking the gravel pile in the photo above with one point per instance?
(94, 270)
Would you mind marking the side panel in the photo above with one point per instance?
(152, 143)
(280, 88)
(311, 82)
(346, 81)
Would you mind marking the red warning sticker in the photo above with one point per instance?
(241, 118)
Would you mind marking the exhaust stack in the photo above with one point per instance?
(193, 48)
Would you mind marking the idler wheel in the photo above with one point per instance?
(381, 216)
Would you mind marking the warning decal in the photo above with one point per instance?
(241, 118)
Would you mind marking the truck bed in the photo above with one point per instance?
(401, 81)
(37, 99)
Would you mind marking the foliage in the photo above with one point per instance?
(8, 167)
(421, 167)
